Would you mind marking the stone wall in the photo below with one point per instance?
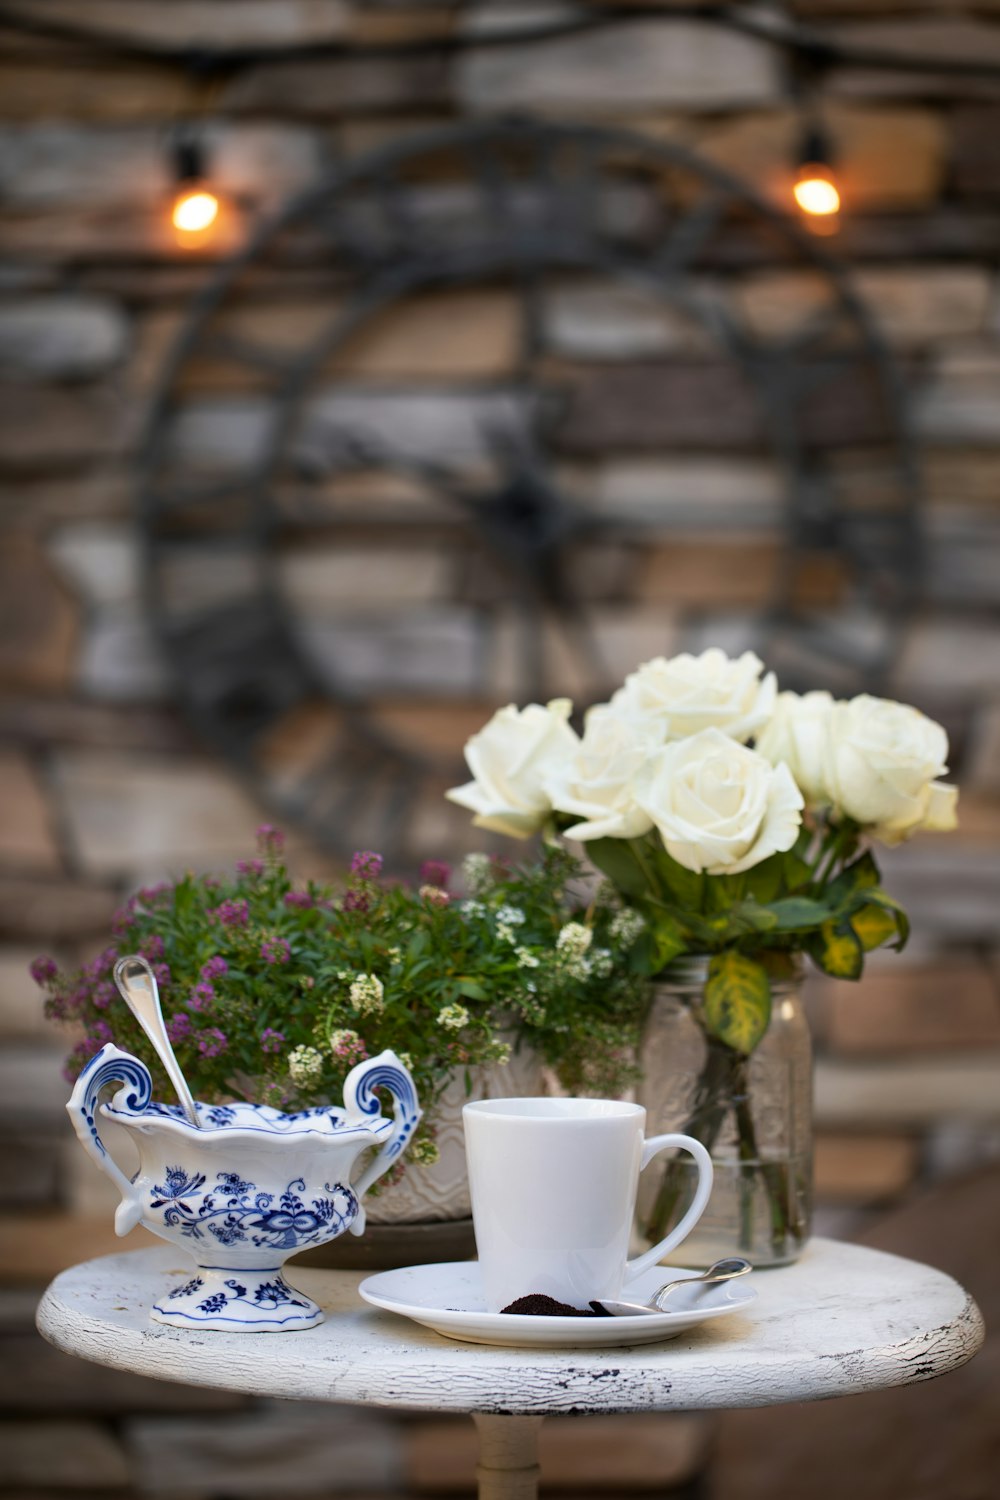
(103, 783)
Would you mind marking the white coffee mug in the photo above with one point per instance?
(554, 1185)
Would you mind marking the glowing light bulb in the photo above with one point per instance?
(195, 210)
(815, 191)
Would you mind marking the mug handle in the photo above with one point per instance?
(651, 1148)
(383, 1071)
(111, 1065)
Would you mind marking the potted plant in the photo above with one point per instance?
(736, 863)
(272, 991)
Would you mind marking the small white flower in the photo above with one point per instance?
(602, 962)
(453, 1017)
(394, 955)
(367, 994)
(626, 925)
(473, 909)
(526, 959)
(477, 871)
(510, 916)
(574, 939)
(345, 1043)
(305, 1065)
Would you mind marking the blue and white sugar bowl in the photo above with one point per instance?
(247, 1189)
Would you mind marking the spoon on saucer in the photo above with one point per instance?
(137, 986)
(721, 1270)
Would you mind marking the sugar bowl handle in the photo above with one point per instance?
(111, 1065)
(384, 1071)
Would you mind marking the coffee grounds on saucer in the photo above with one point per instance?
(538, 1305)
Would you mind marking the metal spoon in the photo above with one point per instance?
(720, 1270)
(137, 986)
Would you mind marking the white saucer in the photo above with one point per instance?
(448, 1297)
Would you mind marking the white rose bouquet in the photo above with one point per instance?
(725, 850)
(735, 822)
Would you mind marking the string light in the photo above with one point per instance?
(195, 209)
(815, 189)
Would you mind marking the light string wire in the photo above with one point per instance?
(779, 30)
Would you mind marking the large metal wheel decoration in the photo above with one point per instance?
(285, 450)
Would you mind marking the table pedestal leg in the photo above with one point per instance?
(508, 1457)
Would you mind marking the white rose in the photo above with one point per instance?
(797, 736)
(510, 759)
(883, 759)
(686, 694)
(719, 806)
(600, 782)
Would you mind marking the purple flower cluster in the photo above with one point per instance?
(300, 899)
(103, 994)
(152, 895)
(271, 1040)
(250, 866)
(270, 840)
(435, 872)
(152, 946)
(101, 966)
(232, 913)
(367, 864)
(213, 1042)
(274, 950)
(201, 997)
(356, 901)
(43, 970)
(215, 968)
(123, 919)
(99, 1033)
(179, 1027)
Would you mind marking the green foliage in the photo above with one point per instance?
(837, 950)
(822, 897)
(273, 992)
(737, 1006)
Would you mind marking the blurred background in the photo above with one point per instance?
(368, 365)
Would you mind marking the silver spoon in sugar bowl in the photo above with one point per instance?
(726, 1269)
(137, 986)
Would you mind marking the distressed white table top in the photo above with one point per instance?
(842, 1320)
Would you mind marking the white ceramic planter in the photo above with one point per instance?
(441, 1192)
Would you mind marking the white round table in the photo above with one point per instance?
(842, 1320)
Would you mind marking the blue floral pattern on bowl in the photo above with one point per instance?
(250, 1187)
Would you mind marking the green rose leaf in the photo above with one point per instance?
(763, 882)
(862, 875)
(737, 1001)
(615, 859)
(837, 950)
(796, 913)
(889, 904)
(873, 926)
(656, 947)
(749, 916)
(685, 886)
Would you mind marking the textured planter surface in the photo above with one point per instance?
(441, 1192)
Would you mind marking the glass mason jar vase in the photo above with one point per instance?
(754, 1114)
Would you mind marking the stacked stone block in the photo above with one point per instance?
(102, 783)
